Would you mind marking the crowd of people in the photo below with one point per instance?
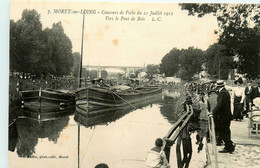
(216, 101)
(241, 96)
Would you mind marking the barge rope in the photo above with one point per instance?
(123, 99)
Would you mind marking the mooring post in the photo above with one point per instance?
(40, 103)
(167, 150)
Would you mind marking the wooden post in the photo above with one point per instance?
(80, 65)
(178, 152)
(214, 143)
(40, 94)
(78, 145)
(249, 120)
(210, 132)
(79, 85)
(167, 151)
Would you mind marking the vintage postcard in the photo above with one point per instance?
(133, 84)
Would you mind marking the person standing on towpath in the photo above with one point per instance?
(223, 116)
(238, 98)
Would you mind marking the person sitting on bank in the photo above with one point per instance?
(238, 99)
(156, 157)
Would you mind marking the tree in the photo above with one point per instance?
(36, 51)
(218, 63)
(191, 60)
(45, 64)
(13, 47)
(61, 50)
(76, 62)
(25, 40)
(93, 74)
(245, 45)
(104, 74)
(170, 63)
(239, 31)
(152, 69)
(183, 63)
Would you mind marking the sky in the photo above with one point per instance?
(125, 43)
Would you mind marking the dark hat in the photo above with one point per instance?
(159, 142)
(220, 83)
(239, 80)
(212, 91)
(249, 81)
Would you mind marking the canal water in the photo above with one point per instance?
(121, 141)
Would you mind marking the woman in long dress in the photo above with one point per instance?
(203, 107)
(238, 98)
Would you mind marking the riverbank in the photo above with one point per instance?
(247, 153)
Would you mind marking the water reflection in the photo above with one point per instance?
(121, 138)
(105, 118)
(30, 131)
(109, 115)
(170, 108)
(48, 115)
(169, 94)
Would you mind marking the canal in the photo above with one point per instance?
(120, 139)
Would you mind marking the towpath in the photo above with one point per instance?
(247, 153)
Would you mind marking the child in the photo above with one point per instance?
(156, 157)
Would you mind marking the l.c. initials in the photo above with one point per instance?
(156, 19)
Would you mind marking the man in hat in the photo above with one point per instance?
(222, 117)
(257, 90)
(249, 93)
(212, 102)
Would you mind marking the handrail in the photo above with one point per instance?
(175, 131)
(212, 135)
(176, 125)
(249, 120)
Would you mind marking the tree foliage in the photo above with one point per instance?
(191, 60)
(218, 63)
(170, 63)
(93, 74)
(36, 51)
(76, 63)
(152, 69)
(183, 63)
(238, 31)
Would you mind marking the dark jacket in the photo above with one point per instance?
(249, 94)
(222, 111)
(256, 93)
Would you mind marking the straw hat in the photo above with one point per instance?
(220, 83)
